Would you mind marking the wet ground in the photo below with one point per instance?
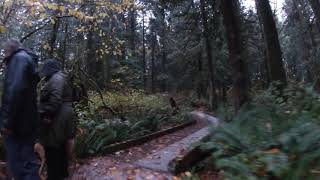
(145, 162)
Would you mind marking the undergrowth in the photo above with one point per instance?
(137, 115)
(275, 137)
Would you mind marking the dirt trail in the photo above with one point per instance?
(145, 162)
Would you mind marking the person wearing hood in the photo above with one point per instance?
(57, 119)
(18, 113)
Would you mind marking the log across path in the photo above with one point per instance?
(149, 161)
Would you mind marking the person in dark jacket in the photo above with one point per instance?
(57, 119)
(18, 113)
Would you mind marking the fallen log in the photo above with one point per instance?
(141, 140)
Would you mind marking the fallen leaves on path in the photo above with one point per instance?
(119, 165)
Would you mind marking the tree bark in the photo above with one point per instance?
(275, 64)
(209, 53)
(201, 89)
(91, 64)
(163, 44)
(144, 75)
(94, 63)
(53, 38)
(265, 68)
(315, 5)
(153, 44)
(132, 25)
(153, 71)
(66, 37)
(231, 19)
(307, 45)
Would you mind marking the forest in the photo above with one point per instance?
(142, 68)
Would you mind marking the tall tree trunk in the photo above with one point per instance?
(91, 55)
(153, 44)
(53, 38)
(163, 44)
(306, 27)
(231, 20)
(132, 25)
(66, 37)
(201, 90)
(305, 33)
(265, 69)
(144, 75)
(107, 70)
(54, 33)
(315, 5)
(90, 60)
(153, 71)
(209, 53)
(94, 64)
(275, 64)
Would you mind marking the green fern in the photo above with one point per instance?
(272, 138)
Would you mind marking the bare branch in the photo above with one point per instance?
(99, 92)
(35, 31)
(40, 28)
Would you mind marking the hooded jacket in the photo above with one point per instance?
(58, 122)
(19, 99)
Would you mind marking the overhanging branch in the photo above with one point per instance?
(35, 31)
(40, 28)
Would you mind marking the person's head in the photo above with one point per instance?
(11, 46)
(49, 68)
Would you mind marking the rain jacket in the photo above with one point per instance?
(19, 99)
(56, 111)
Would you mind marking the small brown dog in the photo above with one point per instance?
(38, 148)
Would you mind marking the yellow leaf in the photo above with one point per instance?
(52, 7)
(33, 11)
(62, 8)
(71, 12)
(53, 21)
(28, 24)
(43, 15)
(2, 29)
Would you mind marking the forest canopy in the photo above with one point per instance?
(211, 50)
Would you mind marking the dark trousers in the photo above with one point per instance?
(57, 162)
(21, 158)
